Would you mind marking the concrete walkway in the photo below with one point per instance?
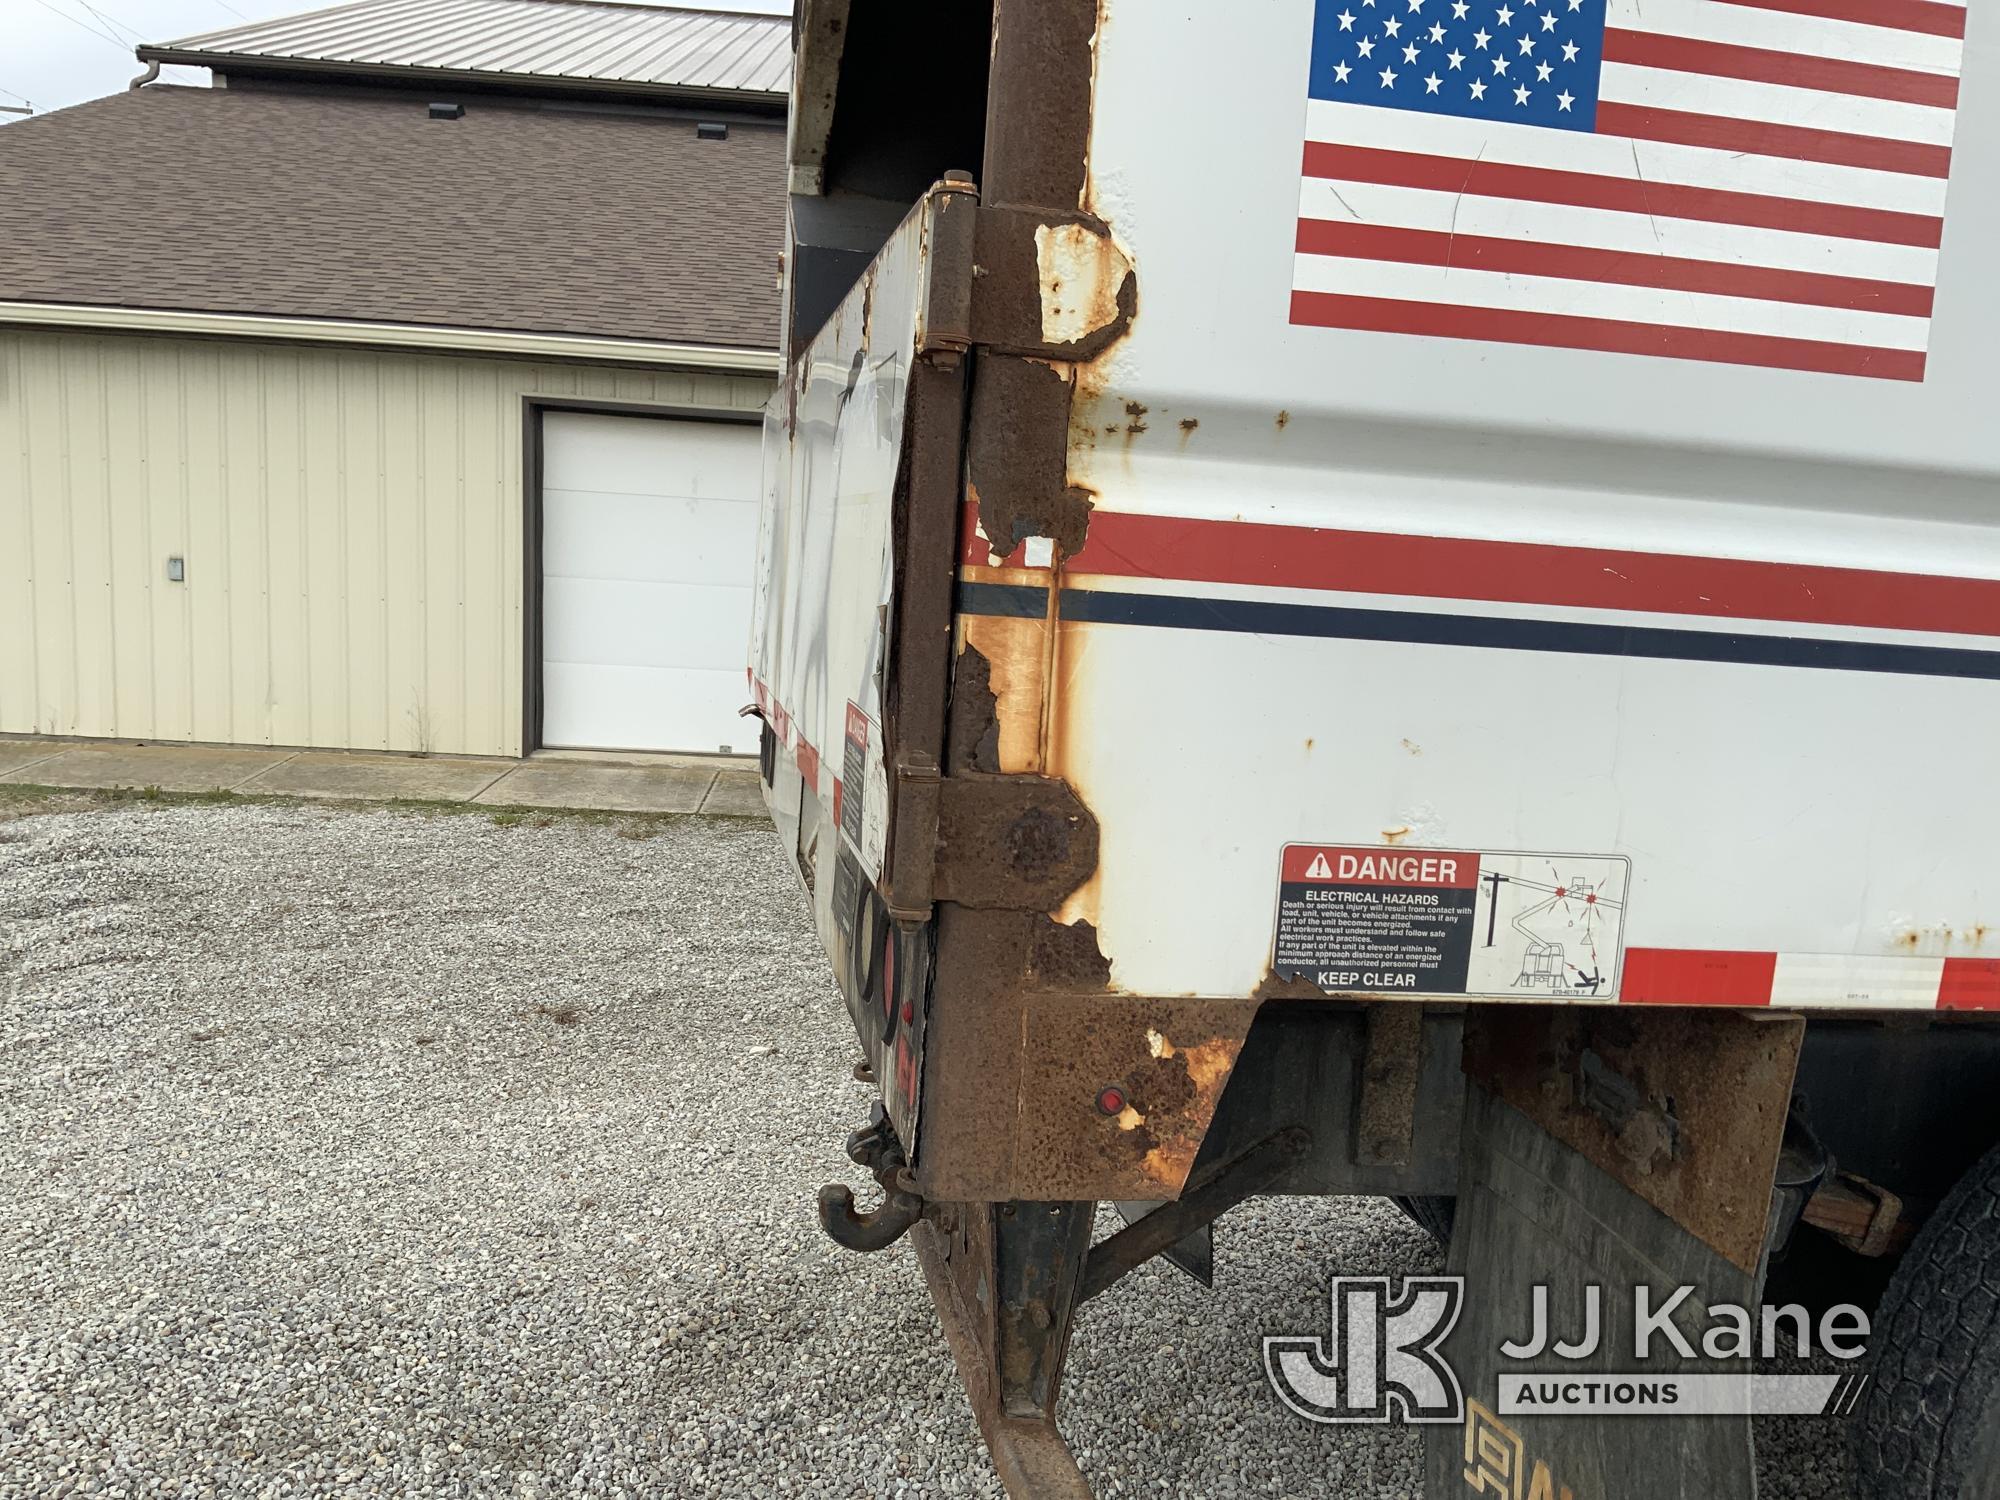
(556, 779)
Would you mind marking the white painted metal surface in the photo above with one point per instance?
(820, 632)
(1729, 661)
(351, 522)
(649, 531)
(1697, 590)
(619, 43)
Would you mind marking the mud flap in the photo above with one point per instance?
(1618, 1152)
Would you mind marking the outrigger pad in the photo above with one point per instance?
(1533, 1211)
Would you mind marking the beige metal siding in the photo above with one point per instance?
(351, 521)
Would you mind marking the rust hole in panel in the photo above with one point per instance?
(974, 733)
(1065, 956)
(1186, 1081)
(997, 698)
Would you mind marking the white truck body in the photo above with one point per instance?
(1713, 639)
(1403, 597)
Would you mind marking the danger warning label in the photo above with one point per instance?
(851, 791)
(1376, 919)
(1446, 922)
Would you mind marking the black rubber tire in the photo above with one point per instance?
(1928, 1427)
(1434, 1215)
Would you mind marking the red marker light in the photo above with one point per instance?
(1111, 1101)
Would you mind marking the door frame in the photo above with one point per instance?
(533, 408)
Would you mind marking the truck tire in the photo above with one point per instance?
(1433, 1214)
(1929, 1425)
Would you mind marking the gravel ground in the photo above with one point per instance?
(360, 1152)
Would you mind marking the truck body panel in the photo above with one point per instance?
(1695, 627)
(1268, 564)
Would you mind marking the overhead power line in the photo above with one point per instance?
(79, 21)
(112, 22)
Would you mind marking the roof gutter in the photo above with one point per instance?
(248, 64)
(718, 359)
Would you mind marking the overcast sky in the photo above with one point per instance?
(55, 53)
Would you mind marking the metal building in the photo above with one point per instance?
(398, 393)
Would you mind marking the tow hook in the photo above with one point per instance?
(876, 1148)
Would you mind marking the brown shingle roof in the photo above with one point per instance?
(359, 206)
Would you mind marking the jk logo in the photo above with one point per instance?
(1380, 1360)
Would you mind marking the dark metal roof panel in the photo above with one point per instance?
(596, 40)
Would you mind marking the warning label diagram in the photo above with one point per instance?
(1443, 922)
(861, 792)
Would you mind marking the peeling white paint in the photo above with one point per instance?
(1080, 272)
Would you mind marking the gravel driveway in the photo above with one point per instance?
(355, 1152)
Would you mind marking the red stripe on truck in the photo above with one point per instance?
(1695, 976)
(1125, 545)
(1512, 325)
(1970, 984)
(1437, 247)
(1650, 49)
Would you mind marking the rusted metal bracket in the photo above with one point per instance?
(930, 490)
(945, 313)
(1016, 843)
(1192, 1254)
(1050, 285)
(1028, 1452)
(1385, 1106)
(820, 35)
(1203, 1203)
(909, 881)
(1868, 1219)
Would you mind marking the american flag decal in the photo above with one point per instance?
(1752, 182)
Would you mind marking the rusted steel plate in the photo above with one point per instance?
(1025, 1041)
(1019, 842)
(1685, 1108)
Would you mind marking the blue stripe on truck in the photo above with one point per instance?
(1263, 617)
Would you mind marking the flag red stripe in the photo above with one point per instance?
(1648, 49)
(1896, 15)
(1690, 976)
(1447, 174)
(1970, 984)
(1431, 247)
(1125, 544)
(1759, 138)
(1610, 335)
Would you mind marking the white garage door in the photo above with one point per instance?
(649, 535)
